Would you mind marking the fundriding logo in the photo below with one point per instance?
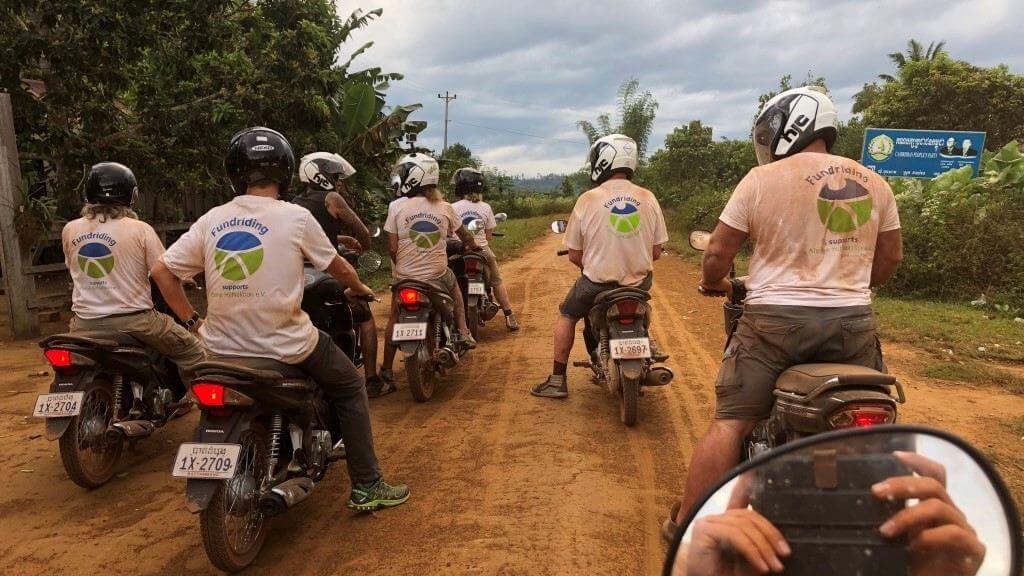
(424, 234)
(845, 209)
(238, 255)
(95, 260)
(625, 218)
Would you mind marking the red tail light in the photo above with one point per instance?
(410, 298)
(862, 417)
(208, 394)
(472, 265)
(625, 311)
(58, 357)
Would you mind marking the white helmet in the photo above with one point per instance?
(320, 170)
(412, 173)
(611, 154)
(789, 122)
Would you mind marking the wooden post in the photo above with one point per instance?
(19, 287)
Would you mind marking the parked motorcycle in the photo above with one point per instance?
(619, 344)
(425, 331)
(108, 389)
(812, 398)
(474, 278)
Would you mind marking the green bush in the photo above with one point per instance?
(532, 206)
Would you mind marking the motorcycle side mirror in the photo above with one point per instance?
(500, 217)
(699, 240)
(475, 225)
(829, 495)
(559, 226)
(370, 261)
(375, 231)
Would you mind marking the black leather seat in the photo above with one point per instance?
(98, 338)
(262, 369)
(625, 291)
(805, 378)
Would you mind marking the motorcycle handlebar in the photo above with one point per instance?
(496, 234)
(562, 252)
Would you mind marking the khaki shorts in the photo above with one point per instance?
(157, 331)
(584, 291)
(770, 339)
(493, 274)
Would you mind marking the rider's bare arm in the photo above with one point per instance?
(174, 293)
(467, 238)
(393, 246)
(725, 243)
(340, 209)
(657, 251)
(343, 272)
(888, 254)
(576, 257)
(489, 234)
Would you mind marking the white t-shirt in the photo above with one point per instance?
(814, 219)
(422, 227)
(469, 211)
(109, 263)
(616, 225)
(252, 250)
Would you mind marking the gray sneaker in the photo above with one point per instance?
(553, 387)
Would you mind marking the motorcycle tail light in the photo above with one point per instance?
(862, 417)
(208, 394)
(58, 357)
(472, 265)
(410, 299)
(625, 311)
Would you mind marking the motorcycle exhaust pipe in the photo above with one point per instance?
(130, 429)
(658, 376)
(286, 495)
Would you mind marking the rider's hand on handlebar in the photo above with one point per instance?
(715, 289)
(362, 292)
(350, 243)
(941, 542)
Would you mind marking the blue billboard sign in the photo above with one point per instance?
(921, 153)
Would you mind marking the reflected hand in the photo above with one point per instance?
(942, 543)
(739, 542)
(362, 292)
(723, 287)
(350, 243)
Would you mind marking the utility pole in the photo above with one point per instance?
(446, 99)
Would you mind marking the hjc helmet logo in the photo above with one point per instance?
(796, 128)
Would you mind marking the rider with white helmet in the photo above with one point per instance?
(614, 235)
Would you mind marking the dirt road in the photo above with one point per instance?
(503, 483)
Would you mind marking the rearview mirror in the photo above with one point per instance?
(500, 217)
(699, 239)
(558, 226)
(370, 261)
(374, 231)
(831, 497)
(475, 225)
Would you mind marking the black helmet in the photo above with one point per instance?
(467, 181)
(111, 183)
(256, 154)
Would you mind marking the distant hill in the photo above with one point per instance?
(538, 183)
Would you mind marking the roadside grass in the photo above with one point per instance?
(974, 372)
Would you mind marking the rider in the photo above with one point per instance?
(109, 252)
(469, 184)
(324, 174)
(417, 228)
(825, 232)
(614, 235)
(252, 250)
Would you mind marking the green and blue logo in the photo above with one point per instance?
(625, 218)
(95, 260)
(424, 234)
(238, 255)
(845, 209)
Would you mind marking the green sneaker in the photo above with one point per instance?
(378, 495)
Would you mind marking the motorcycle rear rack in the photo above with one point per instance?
(845, 381)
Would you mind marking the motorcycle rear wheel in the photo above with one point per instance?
(629, 399)
(421, 375)
(473, 320)
(88, 465)
(233, 537)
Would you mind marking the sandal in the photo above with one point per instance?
(669, 527)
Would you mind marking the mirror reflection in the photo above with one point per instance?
(870, 505)
(475, 225)
(370, 261)
(558, 226)
(374, 231)
(699, 239)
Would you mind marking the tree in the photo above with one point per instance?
(915, 53)
(456, 156)
(636, 111)
(786, 83)
(692, 162)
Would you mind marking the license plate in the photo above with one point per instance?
(409, 331)
(630, 348)
(58, 405)
(206, 461)
(477, 288)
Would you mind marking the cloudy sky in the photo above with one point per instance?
(526, 70)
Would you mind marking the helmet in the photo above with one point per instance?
(468, 181)
(611, 154)
(111, 183)
(413, 173)
(321, 170)
(256, 154)
(789, 122)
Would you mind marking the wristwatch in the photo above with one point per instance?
(192, 322)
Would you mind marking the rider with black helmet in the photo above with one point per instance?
(252, 250)
(109, 252)
(468, 183)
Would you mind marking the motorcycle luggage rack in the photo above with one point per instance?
(868, 378)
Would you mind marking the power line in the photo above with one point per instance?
(495, 129)
(446, 99)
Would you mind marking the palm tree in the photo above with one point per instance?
(916, 52)
(636, 112)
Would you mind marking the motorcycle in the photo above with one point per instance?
(619, 345)
(811, 398)
(425, 331)
(108, 389)
(474, 279)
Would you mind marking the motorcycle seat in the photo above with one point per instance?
(249, 368)
(105, 339)
(622, 292)
(805, 379)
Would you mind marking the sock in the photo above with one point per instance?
(559, 368)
